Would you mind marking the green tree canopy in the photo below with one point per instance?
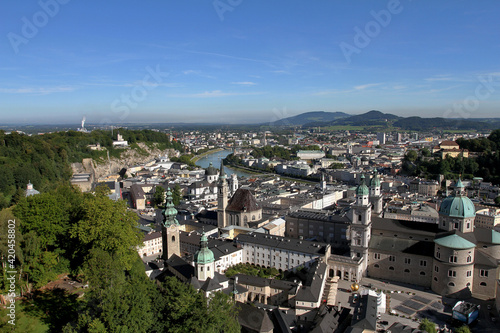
(427, 325)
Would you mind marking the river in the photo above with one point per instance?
(215, 158)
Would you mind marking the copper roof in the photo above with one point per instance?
(243, 200)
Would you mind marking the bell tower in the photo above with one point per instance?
(375, 195)
(361, 223)
(170, 229)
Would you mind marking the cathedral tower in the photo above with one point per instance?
(375, 195)
(360, 232)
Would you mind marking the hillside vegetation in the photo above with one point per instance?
(45, 160)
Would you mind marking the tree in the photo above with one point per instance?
(497, 200)
(177, 195)
(107, 225)
(180, 308)
(463, 329)
(159, 195)
(425, 152)
(427, 325)
(411, 156)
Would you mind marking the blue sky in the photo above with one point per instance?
(245, 61)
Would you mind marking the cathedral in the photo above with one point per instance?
(454, 258)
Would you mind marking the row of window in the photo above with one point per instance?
(423, 263)
(452, 284)
(391, 268)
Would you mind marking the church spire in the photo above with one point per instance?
(169, 212)
(222, 174)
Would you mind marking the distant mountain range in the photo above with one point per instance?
(310, 117)
(387, 120)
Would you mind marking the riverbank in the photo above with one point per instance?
(208, 152)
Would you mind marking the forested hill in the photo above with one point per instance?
(45, 159)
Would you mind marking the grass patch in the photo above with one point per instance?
(253, 270)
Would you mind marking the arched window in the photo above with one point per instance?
(331, 273)
(451, 284)
(173, 238)
(483, 284)
(435, 279)
(245, 219)
(422, 273)
(469, 259)
(391, 268)
(376, 266)
(407, 270)
(253, 217)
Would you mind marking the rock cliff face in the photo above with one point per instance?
(113, 165)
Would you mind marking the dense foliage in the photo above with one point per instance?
(94, 239)
(45, 160)
(485, 165)
(450, 167)
(281, 152)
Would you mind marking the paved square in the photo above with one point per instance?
(422, 299)
(412, 304)
(404, 309)
(438, 306)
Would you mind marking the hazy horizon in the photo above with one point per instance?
(243, 62)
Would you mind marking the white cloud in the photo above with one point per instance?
(439, 78)
(245, 83)
(36, 90)
(213, 93)
(365, 86)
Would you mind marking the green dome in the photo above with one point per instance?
(457, 206)
(375, 182)
(454, 242)
(204, 255)
(362, 188)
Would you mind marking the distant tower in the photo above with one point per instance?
(361, 223)
(381, 138)
(83, 124)
(323, 182)
(204, 260)
(222, 198)
(30, 190)
(234, 183)
(375, 195)
(170, 229)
